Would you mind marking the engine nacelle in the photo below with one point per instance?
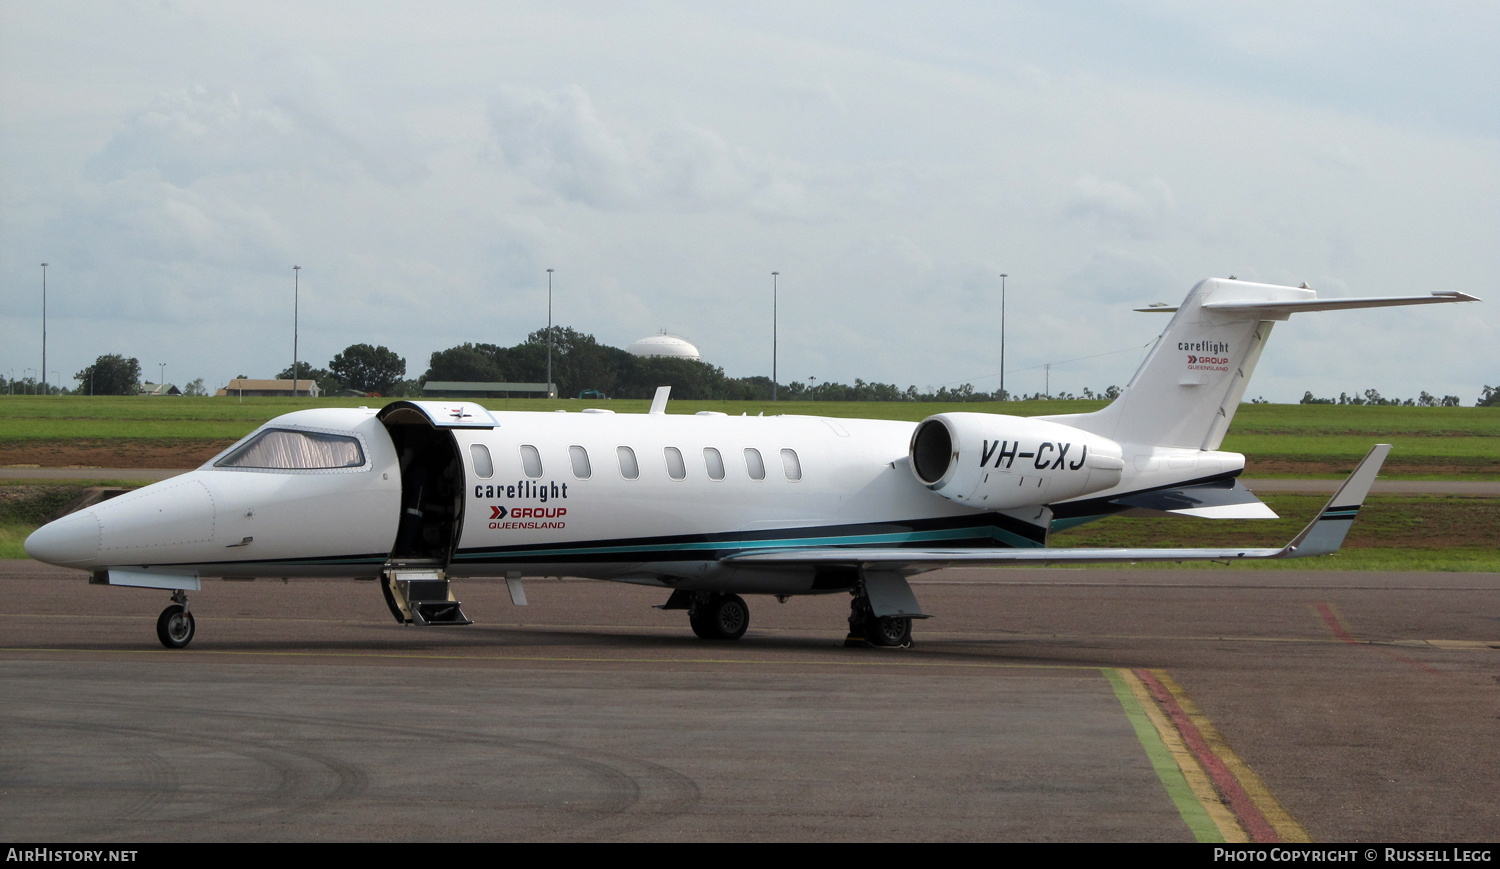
(998, 462)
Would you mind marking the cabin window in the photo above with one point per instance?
(483, 467)
(715, 463)
(531, 461)
(676, 467)
(755, 464)
(629, 469)
(580, 459)
(791, 464)
(289, 450)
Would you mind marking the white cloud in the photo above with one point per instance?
(559, 142)
(1138, 211)
(197, 132)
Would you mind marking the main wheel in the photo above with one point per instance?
(174, 627)
(722, 617)
(888, 631)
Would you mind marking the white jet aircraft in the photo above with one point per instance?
(710, 506)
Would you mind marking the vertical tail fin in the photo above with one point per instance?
(1186, 392)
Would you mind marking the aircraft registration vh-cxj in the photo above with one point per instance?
(711, 506)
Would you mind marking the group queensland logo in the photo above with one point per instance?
(1207, 355)
(507, 517)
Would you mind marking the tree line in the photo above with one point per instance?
(583, 366)
(1426, 399)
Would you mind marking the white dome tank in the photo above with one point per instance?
(673, 346)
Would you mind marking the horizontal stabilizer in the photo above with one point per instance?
(1322, 536)
(1281, 309)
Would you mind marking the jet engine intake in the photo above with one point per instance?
(998, 462)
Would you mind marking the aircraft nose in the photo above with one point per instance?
(72, 541)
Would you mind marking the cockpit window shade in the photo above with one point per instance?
(754, 464)
(484, 468)
(791, 464)
(290, 450)
(531, 461)
(580, 459)
(676, 467)
(629, 469)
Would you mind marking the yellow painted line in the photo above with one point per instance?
(1192, 771)
(1453, 645)
(1279, 818)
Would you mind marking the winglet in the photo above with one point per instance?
(1325, 534)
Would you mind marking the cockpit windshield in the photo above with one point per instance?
(293, 450)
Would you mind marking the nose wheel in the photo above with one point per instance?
(174, 627)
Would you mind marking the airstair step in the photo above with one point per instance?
(422, 596)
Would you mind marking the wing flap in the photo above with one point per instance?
(1209, 501)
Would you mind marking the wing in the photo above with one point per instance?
(1322, 536)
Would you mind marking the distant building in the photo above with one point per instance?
(149, 388)
(672, 346)
(305, 386)
(483, 389)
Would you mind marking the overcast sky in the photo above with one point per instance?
(426, 163)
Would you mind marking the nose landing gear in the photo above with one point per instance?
(174, 627)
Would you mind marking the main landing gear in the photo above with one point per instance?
(713, 615)
(174, 627)
(722, 616)
(868, 629)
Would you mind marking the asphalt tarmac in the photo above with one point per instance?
(1365, 704)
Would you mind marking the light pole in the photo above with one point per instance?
(33, 382)
(296, 304)
(44, 329)
(162, 379)
(774, 304)
(1003, 396)
(549, 333)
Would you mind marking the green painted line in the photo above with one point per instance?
(1193, 814)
